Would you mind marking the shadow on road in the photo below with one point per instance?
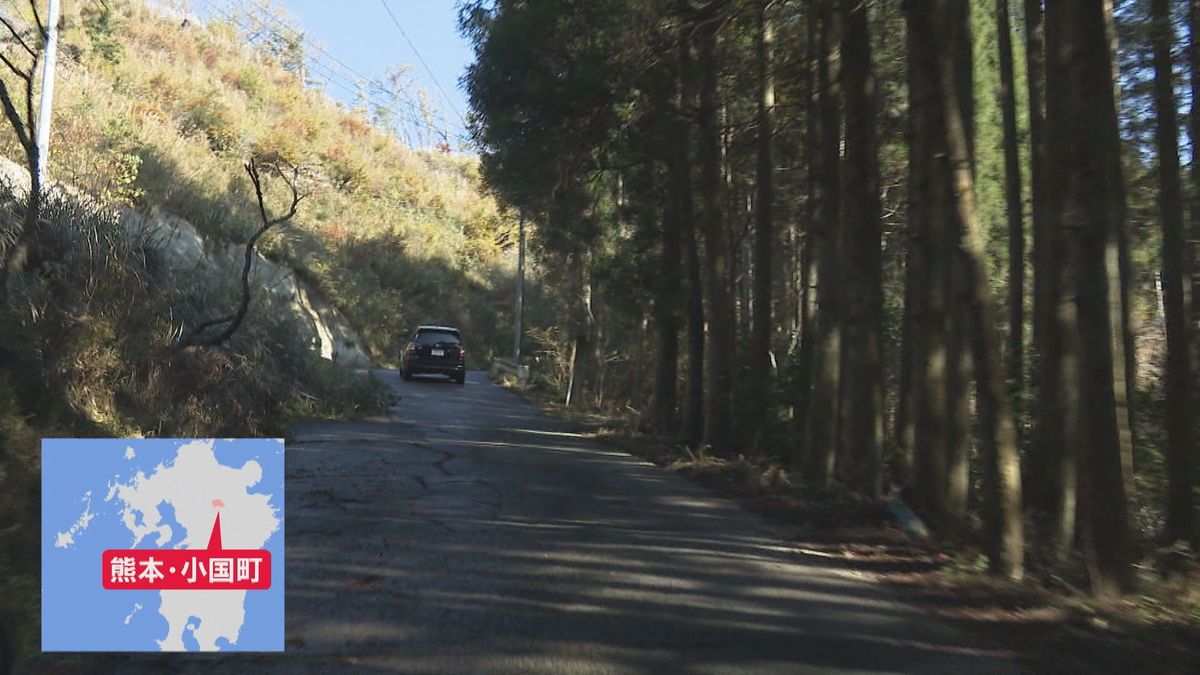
(469, 533)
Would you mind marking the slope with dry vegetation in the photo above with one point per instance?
(157, 113)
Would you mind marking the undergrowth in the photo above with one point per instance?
(158, 113)
(87, 349)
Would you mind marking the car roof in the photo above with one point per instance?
(443, 329)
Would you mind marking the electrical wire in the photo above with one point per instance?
(420, 58)
(332, 70)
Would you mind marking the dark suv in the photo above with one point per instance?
(435, 349)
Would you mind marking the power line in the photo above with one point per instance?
(227, 12)
(364, 87)
(335, 73)
(354, 84)
(282, 28)
(420, 58)
(392, 95)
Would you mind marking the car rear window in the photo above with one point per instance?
(432, 337)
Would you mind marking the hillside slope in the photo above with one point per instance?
(188, 259)
(157, 115)
(160, 112)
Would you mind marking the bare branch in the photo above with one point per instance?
(234, 321)
(252, 170)
(37, 19)
(17, 35)
(201, 327)
(13, 67)
(14, 117)
(31, 119)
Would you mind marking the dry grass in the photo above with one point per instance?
(390, 235)
(86, 349)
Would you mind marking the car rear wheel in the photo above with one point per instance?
(407, 376)
(461, 379)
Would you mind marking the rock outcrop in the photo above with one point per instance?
(189, 257)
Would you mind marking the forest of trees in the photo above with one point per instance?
(941, 246)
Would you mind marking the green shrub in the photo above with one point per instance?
(100, 25)
(212, 118)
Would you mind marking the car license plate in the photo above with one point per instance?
(437, 352)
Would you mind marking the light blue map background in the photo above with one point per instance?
(78, 524)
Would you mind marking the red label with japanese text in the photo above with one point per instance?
(186, 569)
(207, 569)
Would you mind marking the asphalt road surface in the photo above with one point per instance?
(470, 533)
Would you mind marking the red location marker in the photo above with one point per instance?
(214, 539)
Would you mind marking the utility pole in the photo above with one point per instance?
(47, 98)
(520, 313)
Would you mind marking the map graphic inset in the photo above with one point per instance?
(135, 497)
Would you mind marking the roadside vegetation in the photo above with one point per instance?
(940, 251)
(158, 112)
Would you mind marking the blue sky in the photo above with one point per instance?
(360, 33)
(362, 36)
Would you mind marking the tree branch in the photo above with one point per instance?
(14, 117)
(13, 67)
(16, 35)
(31, 118)
(234, 321)
(17, 253)
(37, 19)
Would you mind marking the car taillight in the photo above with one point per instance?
(412, 347)
(462, 351)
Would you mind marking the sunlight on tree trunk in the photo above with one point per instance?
(1180, 471)
(1001, 456)
(927, 202)
(860, 213)
(720, 349)
(823, 408)
(1081, 115)
(759, 380)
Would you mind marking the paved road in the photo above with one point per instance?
(470, 533)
